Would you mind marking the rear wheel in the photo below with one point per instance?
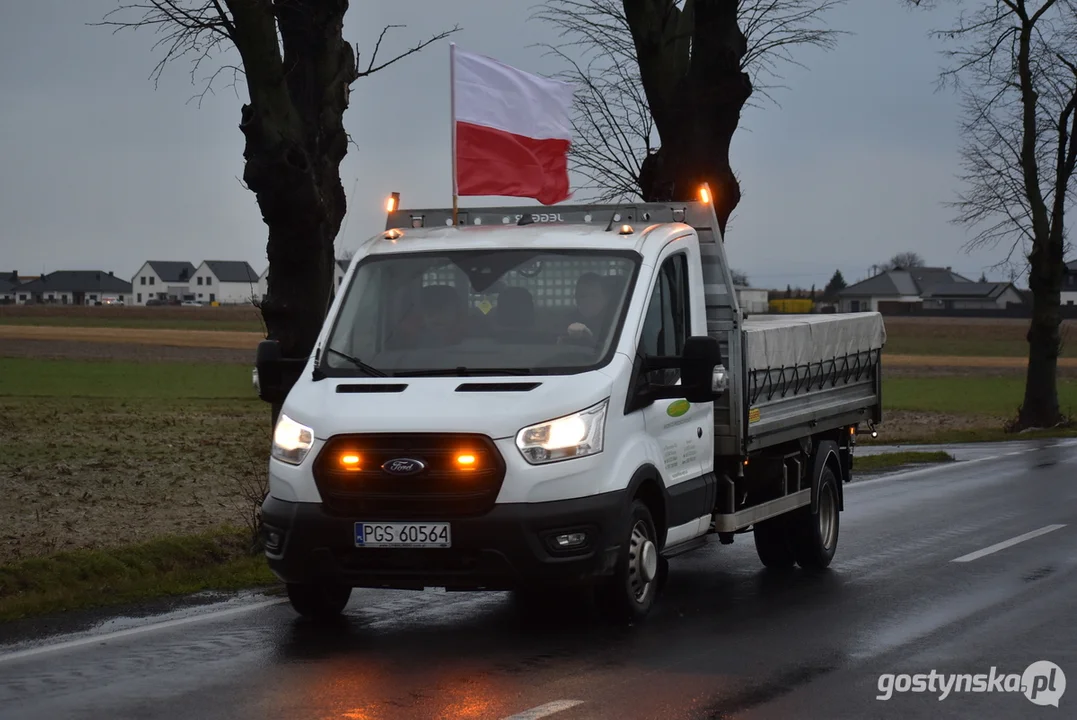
(816, 536)
(319, 601)
(631, 592)
(774, 543)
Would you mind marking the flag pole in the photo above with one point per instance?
(452, 105)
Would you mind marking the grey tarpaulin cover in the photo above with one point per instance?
(774, 341)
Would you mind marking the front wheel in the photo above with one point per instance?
(817, 535)
(631, 592)
(319, 601)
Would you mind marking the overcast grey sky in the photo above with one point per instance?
(100, 171)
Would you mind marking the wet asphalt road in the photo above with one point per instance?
(727, 639)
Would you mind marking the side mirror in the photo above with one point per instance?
(269, 374)
(700, 359)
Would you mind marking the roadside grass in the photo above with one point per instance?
(167, 566)
(968, 395)
(29, 377)
(136, 323)
(885, 461)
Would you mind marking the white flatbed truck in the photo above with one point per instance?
(534, 399)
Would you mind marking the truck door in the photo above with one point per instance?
(683, 431)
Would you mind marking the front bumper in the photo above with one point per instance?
(502, 549)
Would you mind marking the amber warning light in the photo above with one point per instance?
(466, 461)
(392, 203)
(705, 194)
(350, 461)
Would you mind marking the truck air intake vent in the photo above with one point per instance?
(498, 387)
(372, 388)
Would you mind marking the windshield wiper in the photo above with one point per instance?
(462, 372)
(368, 369)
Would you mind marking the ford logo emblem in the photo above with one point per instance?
(403, 466)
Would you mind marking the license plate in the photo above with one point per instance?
(402, 535)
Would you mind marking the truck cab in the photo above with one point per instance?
(528, 401)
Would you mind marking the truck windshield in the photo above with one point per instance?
(481, 312)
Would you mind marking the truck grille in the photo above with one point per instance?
(351, 475)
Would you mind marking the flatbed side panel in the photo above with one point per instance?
(790, 402)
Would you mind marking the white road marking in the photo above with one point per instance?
(1007, 543)
(106, 637)
(545, 710)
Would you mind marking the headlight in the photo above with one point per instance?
(565, 437)
(291, 441)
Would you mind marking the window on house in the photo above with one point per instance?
(199, 281)
(153, 281)
(139, 297)
(666, 324)
(212, 297)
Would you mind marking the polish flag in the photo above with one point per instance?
(511, 130)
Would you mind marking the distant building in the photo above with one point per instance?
(895, 287)
(166, 280)
(753, 301)
(971, 296)
(1069, 284)
(74, 287)
(229, 282)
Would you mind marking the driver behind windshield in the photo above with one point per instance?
(436, 320)
(594, 309)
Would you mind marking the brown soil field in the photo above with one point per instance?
(100, 472)
(128, 352)
(165, 313)
(141, 336)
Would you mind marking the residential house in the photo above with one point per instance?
(263, 284)
(971, 296)
(8, 283)
(228, 282)
(1069, 284)
(752, 301)
(75, 287)
(894, 288)
(166, 280)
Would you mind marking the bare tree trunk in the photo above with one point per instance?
(295, 141)
(691, 68)
(1040, 407)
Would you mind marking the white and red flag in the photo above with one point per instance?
(511, 130)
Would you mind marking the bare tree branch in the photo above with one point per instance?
(371, 68)
(613, 123)
(199, 29)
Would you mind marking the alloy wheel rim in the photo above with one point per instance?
(638, 554)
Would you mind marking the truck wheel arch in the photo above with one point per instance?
(646, 484)
(826, 453)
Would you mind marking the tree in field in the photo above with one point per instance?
(298, 71)
(904, 260)
(837, 284)
(663, 84)
(739, 278)
(1014, 63)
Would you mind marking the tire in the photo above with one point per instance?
(816, 535)
(630, 594)
(774, 543)
(319, 601)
